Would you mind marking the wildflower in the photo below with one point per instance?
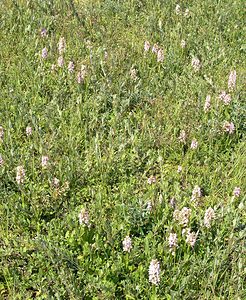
(20, 174)
(154, 272)
(173, 202)
(56, 182)
(155, 48)
(79, 77)
(60, 61)
(61, 45)
(1, 161)
(182, 136)
(232, 80)
(191, 238)
(133, 74)
(105, 54)
(28, 130)
(44, 161)
(229, 127)
(196, 193)
(43, 32)
(183, 44)
(84, 217)
(196, 64)
(194, 144)
(237, 192)
(208, 217)
(160, 55)
(177, 9)
(149, 206)
(226, 98)
(44, 53)
(1, 133)
(151, 179)
(187, 12)
(207, 104)
(173, 241)
(146, 46)
(70, 67)
(179, 169)
(127, 244)
(182, 216)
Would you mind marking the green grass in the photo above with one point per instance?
(106, 136)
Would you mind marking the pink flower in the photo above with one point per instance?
(226, 98)
(155, 48)
(208, 217)
(232, 80)
(173, 241)
(43, 32)
(237, 191)
(44, 53)
(196, 193)
(84, 218)
(229, 127)
(191, 238)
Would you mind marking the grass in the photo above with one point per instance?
(106, 136)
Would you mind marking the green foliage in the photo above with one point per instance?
(106, 136)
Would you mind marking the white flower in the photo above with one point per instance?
(127, 244)
(196, 193)
(28, 130)
(187, 12)
(84, 217)
(183, 44)
(182, 136)
(61, 45)
(173, 241)
(154, 272)
(177, 9)
(182, 216)
(70, 67)
(194, 144)
(160, 55)
(44, 161)
(179, 169)
(60, 61)
(232, 80)
(207, 104)
(191, 237)
(20, 174)
(56, 182)
(151, 179)
(196, 64)
(208, 217)
(146, 46)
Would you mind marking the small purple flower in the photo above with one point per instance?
(160, 55)
(154, 272)
(207, 104)
(43, 32)
(194, 144)
(151, 179)
(232, 80)
(196, 64)
(60, 61)
(127, 244)
(44, 53)
(44, 161)
(229, 127)
(237, 192)
(70, 67)
(146, 46)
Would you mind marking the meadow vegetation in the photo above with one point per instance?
(122, 149)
